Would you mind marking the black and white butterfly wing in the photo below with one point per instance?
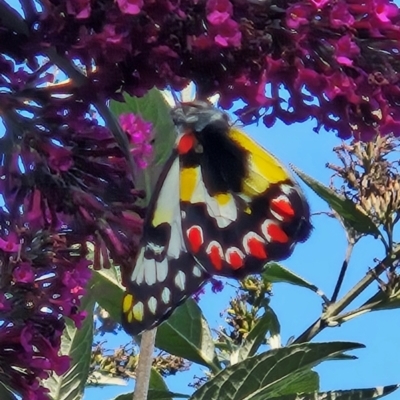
(165, 273)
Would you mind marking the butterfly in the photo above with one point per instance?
(223, 206)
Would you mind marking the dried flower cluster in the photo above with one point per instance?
(245, 307)
(372, 178)
(123, 363)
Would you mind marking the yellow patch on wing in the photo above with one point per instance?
(222, 207)
(167, 206)
(188, 182)
(264, 168)
(223, 198)
(127, 304)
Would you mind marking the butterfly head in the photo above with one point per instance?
(197, 115)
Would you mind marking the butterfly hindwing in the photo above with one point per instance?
(240, 206)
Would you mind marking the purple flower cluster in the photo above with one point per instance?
(139, 134)
(334, 61)
(64, 183)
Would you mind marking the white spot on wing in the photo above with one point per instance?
(224, 214)
(138, 272)
(150, 272)
(264, 229)
(152, 303)
(138, 311)
(155, 248)
(286, 189)
(276, 215)
(166, 295)
(180, 280)
(196, 271)
(162, 270)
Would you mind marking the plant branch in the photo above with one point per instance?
(341, 318)
(12, 20)
(143, 369)
(349, 250)
(333, 310)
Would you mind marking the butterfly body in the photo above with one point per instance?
(223, 206)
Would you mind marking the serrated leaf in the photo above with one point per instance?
(186, 334)
(275, 272)
(76, 343)
(155, 395)
(269, 374)
(107, 292)
(353, 394)
(351, 215)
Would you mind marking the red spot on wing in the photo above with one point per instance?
(215, 257)
(235, 258)
(277, 234)
(186, 143)
(282, 207)
(256, 248)
(195, 237)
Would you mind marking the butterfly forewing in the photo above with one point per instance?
(164, 273)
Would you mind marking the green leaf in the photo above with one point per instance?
(256, 336)
(76, 343)
(98, 378)
(5, 393)
(157, 381)
(155, 395)
(186, 334)
(350, 214)
(270, 374)
(381, 300)
(107, 291)
(275, 330)
(305, 383)
(274, 272)
(353, 394)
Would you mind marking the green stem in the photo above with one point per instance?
(12, 20)
(349, 250)
(341, 318)
(334, 309)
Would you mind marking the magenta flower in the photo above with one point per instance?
(132, 7)
(80, 9)
(140, 135)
